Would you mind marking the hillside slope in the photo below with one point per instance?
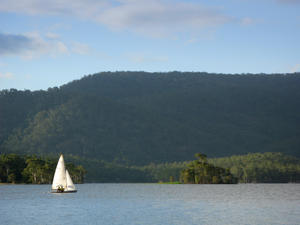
(135, 118)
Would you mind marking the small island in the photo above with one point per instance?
(201, 172)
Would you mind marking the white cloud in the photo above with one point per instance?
(30, 45)
(61, 47)
(6, 75)
(155, 18)
(207, 35)
(59, 26)
(247, 21)
(159, 18)
(295, 68)
(52, 35)
(12, 44)
(82, 8)
(79, 48)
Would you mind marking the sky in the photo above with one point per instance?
(49, 43)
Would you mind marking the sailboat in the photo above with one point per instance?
(62, 182)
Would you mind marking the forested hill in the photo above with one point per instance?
(135, 118)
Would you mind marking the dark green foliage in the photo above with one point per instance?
(18, 107)
(34, 170)
(250, 168)
(166, 172)
(201, 172)
(257, 167)
(11, 167)
(138, 118)
(101, 171)
(262, 168)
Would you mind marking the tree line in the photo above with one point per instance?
(267, 167)
(34, 170)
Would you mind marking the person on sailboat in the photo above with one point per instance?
(60, 188)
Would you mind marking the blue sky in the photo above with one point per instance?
(48, 43)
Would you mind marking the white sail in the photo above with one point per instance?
(70, 185)
(60, 175)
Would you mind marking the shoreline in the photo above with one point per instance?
(150, 183)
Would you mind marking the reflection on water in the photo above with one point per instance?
(152, 204)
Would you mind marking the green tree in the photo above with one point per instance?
(11, 167)
(201, 172)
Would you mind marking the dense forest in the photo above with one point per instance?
(125, 121)
(262, 168)
(201, 172)
(251, 168)
(266, 167)
(35, 170)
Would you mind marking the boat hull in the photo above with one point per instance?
(55, 191)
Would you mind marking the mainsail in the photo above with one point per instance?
(60, 174)
(62, 181)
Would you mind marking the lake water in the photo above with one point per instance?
(151, 204)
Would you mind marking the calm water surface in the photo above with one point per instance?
(152, 204)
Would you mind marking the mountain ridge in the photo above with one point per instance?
(137, 118)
